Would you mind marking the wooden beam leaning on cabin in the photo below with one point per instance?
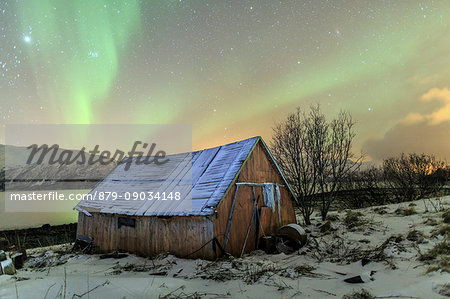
(255, 206)
(227, 232)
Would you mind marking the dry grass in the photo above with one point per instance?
(442, 248)
(443, 265)
(333, 217)
(362, 294)
(326, 227)
(353, 219)
(179, 293)
(443, 230)
(430, 222)
(298, 271)
(415, 236)
(255, 273)
(380, 210)
(405, 211)
(446, 216)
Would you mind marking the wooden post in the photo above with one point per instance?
(227, 233)
(255, 205)
(277, 190)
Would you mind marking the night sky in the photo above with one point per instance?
(232, 68)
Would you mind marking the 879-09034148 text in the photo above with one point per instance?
(137, 195)
(96, 195)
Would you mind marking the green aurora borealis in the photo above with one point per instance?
(77, 28)
(232, 68)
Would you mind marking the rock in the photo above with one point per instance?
(284, 248)
(441, 289)
(365, 261)
(115, 255)
(2, 256)
(267, 244)
(19, 259)
(326, 227)
(7, 267)
(84, 244)
(354, 279)
(362, 278)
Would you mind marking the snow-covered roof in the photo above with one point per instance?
(213, 171)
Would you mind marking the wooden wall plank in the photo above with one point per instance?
(151, 236)
(258, 169)
(182, 235)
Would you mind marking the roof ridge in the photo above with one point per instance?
(254, 137)
(213, 172)
(238, 170)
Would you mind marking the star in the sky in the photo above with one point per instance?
(93, 54)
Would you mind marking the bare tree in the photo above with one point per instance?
(337, 156)
(315, 156)
(414, 176)
(289, 146)
(364, 188)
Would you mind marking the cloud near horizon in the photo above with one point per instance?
(417, 132)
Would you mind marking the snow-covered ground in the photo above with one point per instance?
(394, 248)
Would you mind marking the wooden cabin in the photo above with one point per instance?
(228, 211)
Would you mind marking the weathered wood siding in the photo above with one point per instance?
(258, 169)
(183, 235)
(151, 235)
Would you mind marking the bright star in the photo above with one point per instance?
(93, 54)
(27, 39)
